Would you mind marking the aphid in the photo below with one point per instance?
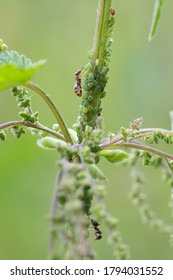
(77, 86)
(112, 11)
(98, 232)
(97, 62)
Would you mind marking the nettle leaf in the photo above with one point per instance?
(16, 69)
(50, 143)
(155, 19)
(114, 156)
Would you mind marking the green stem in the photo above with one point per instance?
(138, 134)
(100, 37)
(138, 146)
(53, 108)
(96, 71)
(32, 125)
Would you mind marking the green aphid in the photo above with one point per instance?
(90, 77)
(105, 70)
(103, 94)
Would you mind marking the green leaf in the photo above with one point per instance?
(50, 143)
(16, 69)
(155, 19)
(114, 156)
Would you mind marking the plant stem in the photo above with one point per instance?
(138, 146)
(96, 71)
(100, 37)
(53, 108)
(138, 134)
(32, 125)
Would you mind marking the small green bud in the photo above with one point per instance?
(111, 136)
(170, 139)
(25, 116)
(3, 46)
(149, 140)
(14, 91)
(90, 77)
(90, 55)
(90, 85)
(62, 198)
(90, 98)
(2, 135)
(73, 135)
(166, 138)
(25, 103)
(136, 124)
(74, 206)
(35, 116)
(112, 222)
(103, 94)
(85, 151)
(171, 164)
(17, 131)
(114, 156)
(124, 131)
(101, 191)
(28, 117)
(56, 127)
(50, 143)
(96, 173)
(155, 138)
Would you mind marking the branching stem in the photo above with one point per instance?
(53, 108)
(32, 125)
(138, 146)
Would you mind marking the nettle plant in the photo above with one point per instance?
(78, 208)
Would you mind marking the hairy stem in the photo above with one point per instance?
(32, 125)
(96, 71)
(137, 134)
(53, 108)
(100, 37)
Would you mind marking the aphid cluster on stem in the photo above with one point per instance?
(95, 79)
(98, 232)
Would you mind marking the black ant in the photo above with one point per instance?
(98, 232)
(77, 86)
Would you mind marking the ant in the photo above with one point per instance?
(98, 232)
(77, 86)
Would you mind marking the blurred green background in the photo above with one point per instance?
(141, 84)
